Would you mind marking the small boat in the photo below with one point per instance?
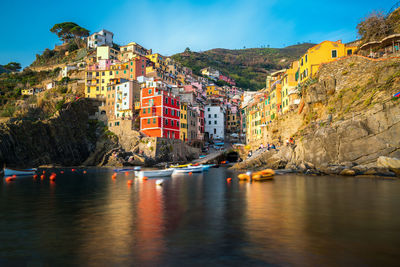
(194, 169)
(154, 173)
(206, 167)
(264, 175)
(127, 169)
(181, 166)
(19, 172)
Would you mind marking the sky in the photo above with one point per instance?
(168, 27)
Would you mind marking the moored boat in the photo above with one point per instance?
(264, 175)
(181, 166)
(194, 169)
(127, 169)
(19, 172)
(154, 173)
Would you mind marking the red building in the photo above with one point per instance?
(160, 111)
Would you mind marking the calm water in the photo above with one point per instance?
(89, 219)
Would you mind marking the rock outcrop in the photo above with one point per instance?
(67, 139)
(349, 121)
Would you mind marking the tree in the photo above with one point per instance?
(70, 31)
(373, 27)
(12, 66)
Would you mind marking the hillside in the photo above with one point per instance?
(247, 66)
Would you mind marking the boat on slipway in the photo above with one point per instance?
(154, 173)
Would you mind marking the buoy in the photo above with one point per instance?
(145, 178)
(190, 173)
(35, 176)
(52, 178)
(10, 178)
(73, 170)
(159, 182)
(84, 172)
(114, 176)
(14, 176)
(44, 172)
(61, 171)
(130, 182)
(126, 173)
(42, 176)
(229, 179)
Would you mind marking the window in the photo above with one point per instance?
(166, 121)
(334, 53)
(154, 120)
(215, 115)
(208, 109)
(144, 111)
(306, 58)
(209, 122)
(148, 121)
(349, 52)
(215, 122)
(149, 91)
(148, 110)
(172, 123)
(209, 115)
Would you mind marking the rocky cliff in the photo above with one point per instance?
(349, 119)
(68, 138)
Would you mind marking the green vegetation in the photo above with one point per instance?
(10, 67)
(70, 32)
(248, 67)
(376, 26)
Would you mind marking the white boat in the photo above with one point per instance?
(192, 169)
(154, 173)
(18, 172)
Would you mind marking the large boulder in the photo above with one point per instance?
(392, 164)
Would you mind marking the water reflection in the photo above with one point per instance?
(197, 220)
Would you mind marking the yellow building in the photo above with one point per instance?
(214, 90)
(183, 131)
(97, 82)
(289, 83)
(159, 61)
(324, 52)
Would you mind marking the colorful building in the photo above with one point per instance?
(131, 50)
(131, 69)
(184, 124)
(289, 84)
(324, 52)
(160, 111)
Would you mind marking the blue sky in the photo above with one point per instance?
(169, 27)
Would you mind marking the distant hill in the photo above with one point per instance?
(248, 67)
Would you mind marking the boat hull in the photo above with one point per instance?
(198, 169)
(11, 172)
(154, 174)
